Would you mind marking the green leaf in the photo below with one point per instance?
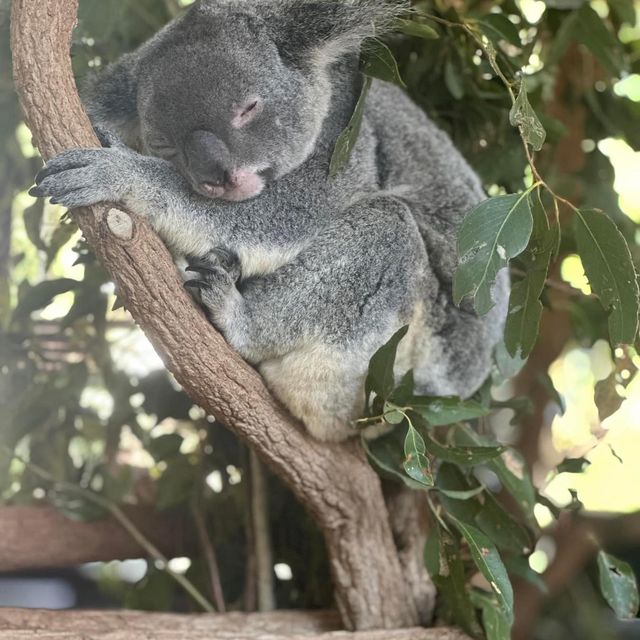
(502, 528)
(453, 79)
(417, 29)
(42, 294)
(495, 231)
(497, 27)
(525, 308)
(462, 456)
(347, 139)
(618, 586)
(386, 454)
(591, 31)
(32, 218)
(416, 464)
(519, 566)
(488, 560)
(462, 495)
(165, 447)
(378, 62)
(573, 465)
(608, 264)
(509, 467)
(524, 117)
(446, 568)
(496, 624)
(380, 378)
(176, 484)
(624, 9)
(403, 393)
(442, 411)
(508, 365)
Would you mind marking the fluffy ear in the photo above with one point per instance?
(322, 31)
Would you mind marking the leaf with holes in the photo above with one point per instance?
(495, 231)
(618, 586)
(608, 264)
(524, 117)
(488, 560)
(442, 411)
(416, 464)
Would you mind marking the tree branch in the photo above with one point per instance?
(41, 537)
(129, 625)
(334, 482)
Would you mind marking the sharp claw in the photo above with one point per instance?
(195, 284)
(200, 268)
(36, 192)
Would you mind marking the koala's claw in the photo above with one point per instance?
(195, 284)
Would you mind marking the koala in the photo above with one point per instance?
(220, 130)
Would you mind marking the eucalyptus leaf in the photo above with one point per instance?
(573, 465)
(42, 294)
(380, 378)
(495, 231)
(496, 624)
(488, 560)
(525, 308)
(462, 456)
(416, 464)
(524, 117)
(618, 585)
(417, 28)
(608, 264)
(379, 62)
(442, 411)
(347, 139)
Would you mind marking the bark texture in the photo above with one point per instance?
(41, 537)
(278, 625)
(334, 482)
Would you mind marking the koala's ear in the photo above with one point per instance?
(322, 31)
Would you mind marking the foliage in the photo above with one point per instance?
(527, 101)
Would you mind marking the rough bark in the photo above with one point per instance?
(41, 537)
(334, 482)
(279, 625)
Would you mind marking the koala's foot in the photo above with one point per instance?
(215, 285)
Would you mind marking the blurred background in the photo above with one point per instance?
(87, 409)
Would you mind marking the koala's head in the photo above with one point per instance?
(235, 92)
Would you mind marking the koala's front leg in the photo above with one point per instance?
(146, 185)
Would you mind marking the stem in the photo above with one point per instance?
(209, 554)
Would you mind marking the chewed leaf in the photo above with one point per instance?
(608, 264)
(441, 411)
(524, 117)
(618, 586)
(488, 560)
(416, 464)
(347, 139)
(495, 231)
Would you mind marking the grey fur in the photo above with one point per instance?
(310, 277)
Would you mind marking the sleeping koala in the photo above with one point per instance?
(221, 130)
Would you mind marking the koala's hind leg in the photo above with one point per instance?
(312, 325)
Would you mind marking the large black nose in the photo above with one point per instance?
(208, 159)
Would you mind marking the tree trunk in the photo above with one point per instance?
(333, 481)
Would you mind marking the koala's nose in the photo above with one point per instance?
(208, 160)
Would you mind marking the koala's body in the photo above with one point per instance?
(231, 114)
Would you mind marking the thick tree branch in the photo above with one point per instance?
(128, 625)
(41, 537)
(334, 482)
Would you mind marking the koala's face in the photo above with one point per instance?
(217, 100)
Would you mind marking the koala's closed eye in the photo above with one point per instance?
(162, 148)
(247, 112)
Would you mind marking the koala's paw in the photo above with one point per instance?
(83, 177)
(215, 285)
